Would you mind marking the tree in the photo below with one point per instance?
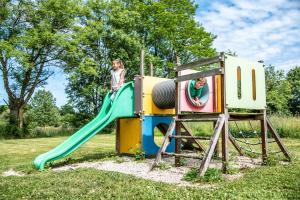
(42, 109)
(278, 90)
(293, 76)
(168, 29)
(33, 36)
(68, 116)
(121, 28)
(97, 43)
(3, 108)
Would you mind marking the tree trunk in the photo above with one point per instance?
(16, 114)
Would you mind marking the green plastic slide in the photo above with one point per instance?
(122, 106)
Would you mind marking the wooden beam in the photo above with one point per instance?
(197, 120)
(196, 75)
(183, 155)
(199, 115)
(177, 112)
(201, 62)
(151, 69)
(177, 143)
(212, 145)
(225, 138)
(190, 137)
(245, 116)
(278, 140)
(217, 149)
(225, 128)
(264, 136)
(257, 118)
(142, 62)
(236, 145)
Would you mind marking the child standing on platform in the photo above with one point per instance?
(117, 77)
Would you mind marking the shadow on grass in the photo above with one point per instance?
(84, 158)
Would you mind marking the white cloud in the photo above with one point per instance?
(266, 30)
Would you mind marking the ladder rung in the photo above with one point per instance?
(190, 137)
(182, 155)
(196, 120)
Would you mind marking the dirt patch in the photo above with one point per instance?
(12, 172)
(246, 162)
(232, 177)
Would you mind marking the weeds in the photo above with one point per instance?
(271, 161)
(163, 166)
(211, 175)
(138, 153)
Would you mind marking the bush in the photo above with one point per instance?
(51, 132)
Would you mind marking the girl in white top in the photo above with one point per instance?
(117, 77)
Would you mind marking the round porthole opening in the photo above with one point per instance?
(204, 96)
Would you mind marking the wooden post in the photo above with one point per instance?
(142, 62)
(225, 111)
(235, 145)
(212, 145)
(151, 69)
(177, 111)
(264, 136)
(217, 150)
(278, 140)
(177, 144)
(225, 142)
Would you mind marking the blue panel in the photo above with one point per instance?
(148, 144)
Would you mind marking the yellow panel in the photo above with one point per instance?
(130, 135)
(148, 105)
(150, 108)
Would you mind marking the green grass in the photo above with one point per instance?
(268, 182)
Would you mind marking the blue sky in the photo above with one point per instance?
(266, 30)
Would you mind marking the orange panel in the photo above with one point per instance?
(219, 93)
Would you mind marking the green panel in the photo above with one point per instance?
(122, 106)
(246, 100)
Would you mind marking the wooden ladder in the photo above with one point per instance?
(208, 153)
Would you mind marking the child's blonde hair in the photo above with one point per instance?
(120, 62)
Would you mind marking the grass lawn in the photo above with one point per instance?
(267, 182)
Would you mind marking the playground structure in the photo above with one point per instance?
(151, 102)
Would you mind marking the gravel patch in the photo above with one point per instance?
(138, 169)
(172, 175)
(12, 172)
